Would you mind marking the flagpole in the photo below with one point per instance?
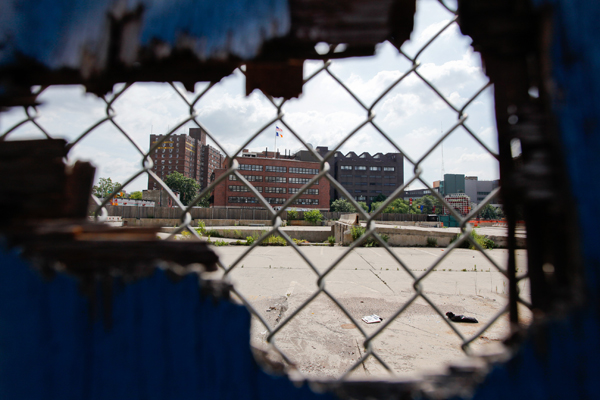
(275, 144)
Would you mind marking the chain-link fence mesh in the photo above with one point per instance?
(320, 272)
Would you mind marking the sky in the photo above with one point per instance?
(412, 114)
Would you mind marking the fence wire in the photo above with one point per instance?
(320, 275)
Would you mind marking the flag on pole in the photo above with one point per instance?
(278, 132)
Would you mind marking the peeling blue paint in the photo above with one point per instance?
(166, 342)
(57, 33)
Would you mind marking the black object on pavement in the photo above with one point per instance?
(461, 318)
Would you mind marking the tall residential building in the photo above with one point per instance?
(276, 178)
(187, 154)
(364, 176)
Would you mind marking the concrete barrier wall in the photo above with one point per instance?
(407, 237)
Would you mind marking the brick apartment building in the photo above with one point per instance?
(277, 179)
(187, 154)
(364, 176)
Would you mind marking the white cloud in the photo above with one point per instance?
(412, 114)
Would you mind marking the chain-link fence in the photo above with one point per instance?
(320, 272)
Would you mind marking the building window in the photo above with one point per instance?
(307, 171)
(273, 168)
(392, 169)
(306, 201)
(360, 198)
(375, 176)
(345, 176)
(389, 184)
(360, 191)
(360, 168)
(389, 177)
(275, 200)
(307, 191)
(374, 183)
(275, 179)
(237, 199)
(361, 183)
(346, 183)
(270, 189)
(251, 167)
(360, 176)
(346, 167)
(238, 188)
(374, 168)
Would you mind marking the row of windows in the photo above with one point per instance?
(240, 188)
(307, 191)
(275, 200)
(238, 199)
(369, 176)
(366, 184)
(269, 189)
(483, 193)
(301, 181)
(364, 168)
(276, 179)
(249, 178)
(308, 171)
(274, 168)
(251, 167)
(306, 201)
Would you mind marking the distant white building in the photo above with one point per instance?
(478, 190)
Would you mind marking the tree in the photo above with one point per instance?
(364, 206)
(105, 187)
(342, 205)
(379, 198)
(489, 212)
(204, 201)
(136, 195)
(187, 187)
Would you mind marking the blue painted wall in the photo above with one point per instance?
(166, 342)
(562, 361)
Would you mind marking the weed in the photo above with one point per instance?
(201, 229)
(479, 239)
(237, 234)
(249, 240)
(292, 214)
(298, 241)
(331, 240)
(464, 270)
(213, 233)
(220, 243)
(431, 242)
(274, 241)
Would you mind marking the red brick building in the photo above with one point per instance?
(187, 154)
(460, 202)
(277, 179)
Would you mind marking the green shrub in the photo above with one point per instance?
(431, 242)
(273, 241)
(358, 231)
(249, 240)
(331, 240)
(313, 216)
(298, 241)
(480, 239)
(292, 214)
(221, 243)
